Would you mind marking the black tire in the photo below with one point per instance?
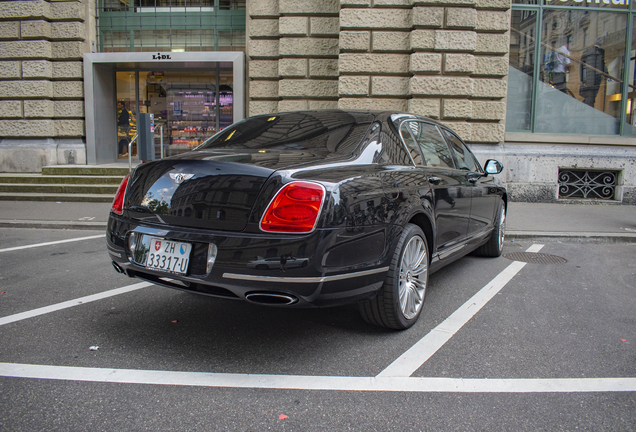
(494, 246)
(262, 267)
(386, 309)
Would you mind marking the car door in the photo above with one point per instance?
(484, 196)
(451, 202)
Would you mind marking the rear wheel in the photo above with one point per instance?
(399, 302)
(494, 246)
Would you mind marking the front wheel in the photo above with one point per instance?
(399, 302)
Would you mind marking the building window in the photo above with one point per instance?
(631, 79)
(521, 70)
(587, 184)
(170, 25)
(577, 84)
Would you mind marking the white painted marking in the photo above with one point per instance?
(52, 243)
(418, 354)
(302, 382)
(71, 303)
(535, 248)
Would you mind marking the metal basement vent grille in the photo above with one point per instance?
(587, 184)
(535, 258)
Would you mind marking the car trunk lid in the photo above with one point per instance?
(210, 193)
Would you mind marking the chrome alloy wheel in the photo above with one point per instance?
(413, 276)
(502, 227)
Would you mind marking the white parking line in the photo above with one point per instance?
(301, 382)
(418, 354)
(395, 378)
(71, 303)
(51, 243)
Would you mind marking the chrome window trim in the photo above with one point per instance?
(412, 137)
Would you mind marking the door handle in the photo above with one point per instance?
(434, 180)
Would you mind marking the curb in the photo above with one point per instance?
(573, 237)
(40, 224)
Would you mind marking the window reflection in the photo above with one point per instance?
(580, 72)
(580, 75)
(522, 42)
(411, 145)
(431, 144)
(630, 127)
(463, 157)
(171, 25)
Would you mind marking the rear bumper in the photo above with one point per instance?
(339, 265)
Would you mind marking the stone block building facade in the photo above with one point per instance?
(446, 60)
(41, 82)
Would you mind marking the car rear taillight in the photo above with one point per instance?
(118, 202)
(294, 209)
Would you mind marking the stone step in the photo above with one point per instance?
(56, 197)
(64, 183)
(59, 189)
(60, 179)
(84, 170)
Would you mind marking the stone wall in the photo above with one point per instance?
(445, 59)
(532, 169)
(293, 50)
(41, 85)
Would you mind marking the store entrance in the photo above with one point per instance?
(188, 106)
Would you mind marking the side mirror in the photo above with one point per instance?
(493, 166)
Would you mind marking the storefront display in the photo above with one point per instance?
(187, 107)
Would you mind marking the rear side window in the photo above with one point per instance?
(431, 144)
(464, 158)
(411, 145)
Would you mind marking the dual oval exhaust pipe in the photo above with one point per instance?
(271, 299)
(117, 268)
(262, 298)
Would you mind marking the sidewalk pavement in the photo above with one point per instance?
(525, 221)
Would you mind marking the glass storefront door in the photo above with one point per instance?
(188, 106)
(126, 113)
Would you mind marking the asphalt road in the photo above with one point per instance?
(526, 347)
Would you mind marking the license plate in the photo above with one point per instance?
(168, 255)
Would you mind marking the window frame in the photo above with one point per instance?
(403, 125)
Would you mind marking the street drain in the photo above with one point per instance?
(535, 258)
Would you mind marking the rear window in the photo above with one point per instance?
(328, 131)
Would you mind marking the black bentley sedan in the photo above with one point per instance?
(311, 208)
